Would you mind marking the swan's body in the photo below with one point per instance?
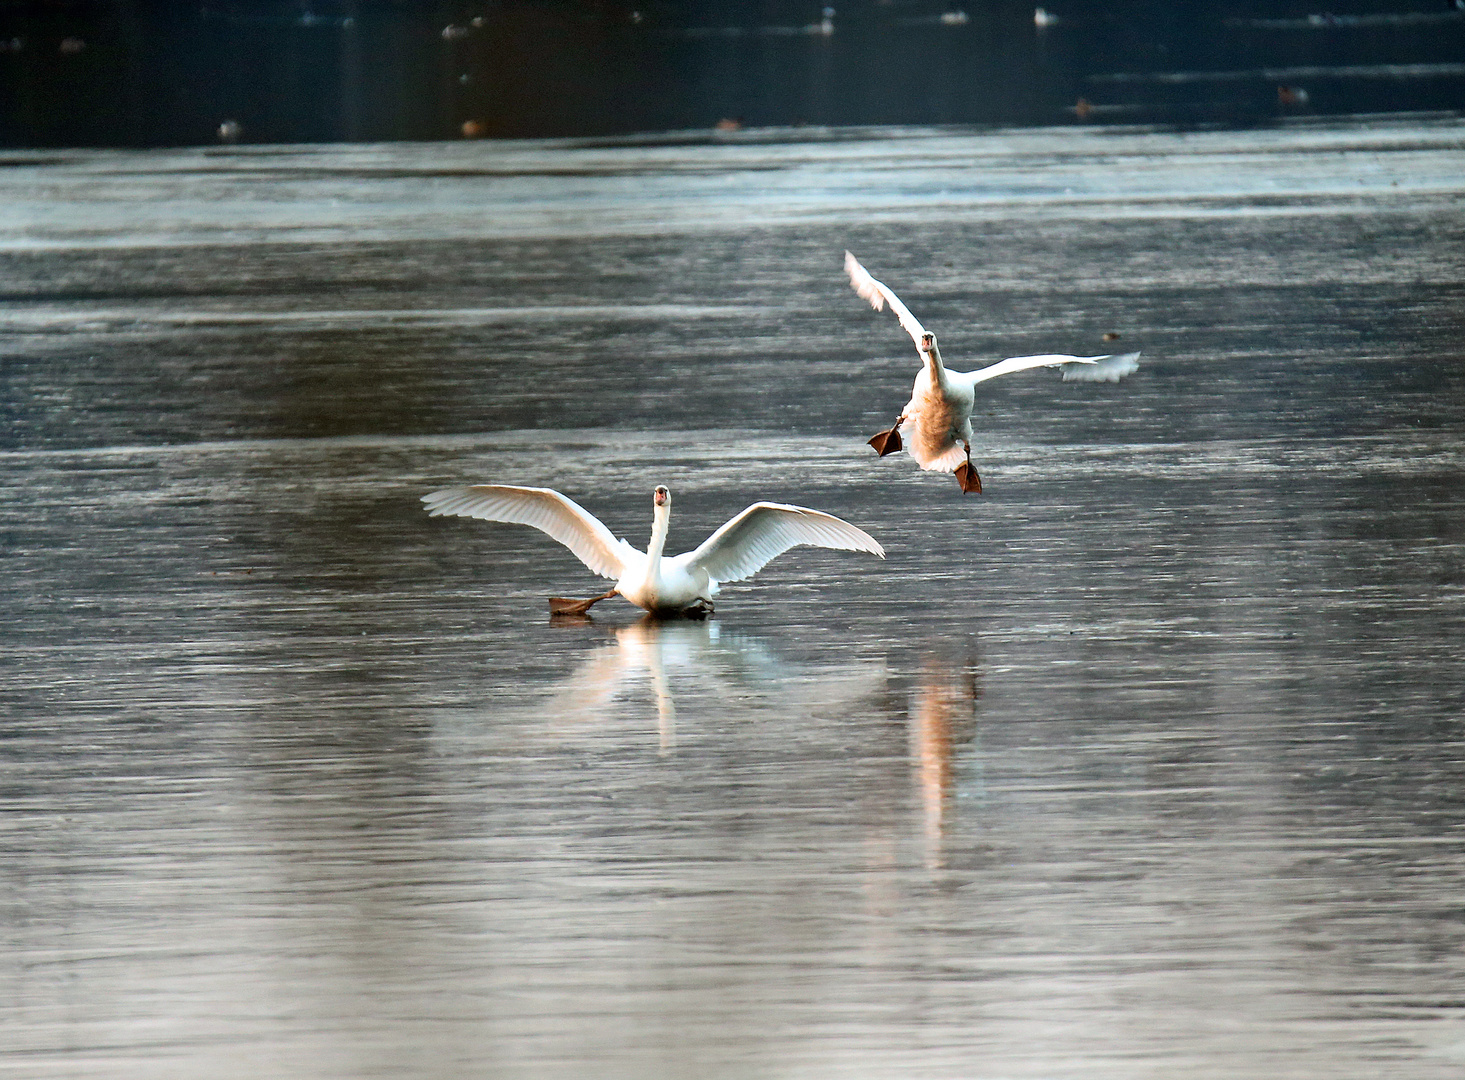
(937, 421)
(677, 584)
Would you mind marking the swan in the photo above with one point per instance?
(937, 421)
(673, 585)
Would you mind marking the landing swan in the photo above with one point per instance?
(674, 585)
(938, 419)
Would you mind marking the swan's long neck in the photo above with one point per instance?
(659, 526)
(934, 365)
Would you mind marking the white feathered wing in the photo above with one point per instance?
(765, 531)
(879, 294)
(548, 511)
(1106, 368)
(1111, 367)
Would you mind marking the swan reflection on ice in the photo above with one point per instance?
(730, 673)
(903, 722)
(943, 718)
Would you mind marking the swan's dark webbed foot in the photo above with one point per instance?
(888, 442)
(966, 475)
(699, 609)
(558, 605)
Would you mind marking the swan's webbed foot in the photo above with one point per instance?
(966, 476)
(558, 605)
(698, 609)
(887, 442)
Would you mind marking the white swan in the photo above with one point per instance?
(675, 585)
(937, 421)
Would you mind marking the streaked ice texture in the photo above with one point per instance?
(1147, 762)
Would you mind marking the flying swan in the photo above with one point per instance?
(937, 422)
(674, 585)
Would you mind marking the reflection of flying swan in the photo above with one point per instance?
(937, 421)
(943, 716)
(681, 584)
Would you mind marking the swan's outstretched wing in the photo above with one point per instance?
(548, 511)
(879, 294)
(765, 530)
(1108, 368)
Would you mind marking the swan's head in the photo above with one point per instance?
(928, 342)
(662, 496)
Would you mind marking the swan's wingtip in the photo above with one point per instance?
(443, 502)
(1121, 365)
(865, 286)
(1110, 368)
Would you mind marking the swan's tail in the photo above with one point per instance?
(930, 451)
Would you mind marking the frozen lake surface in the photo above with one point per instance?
(1148, 762)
